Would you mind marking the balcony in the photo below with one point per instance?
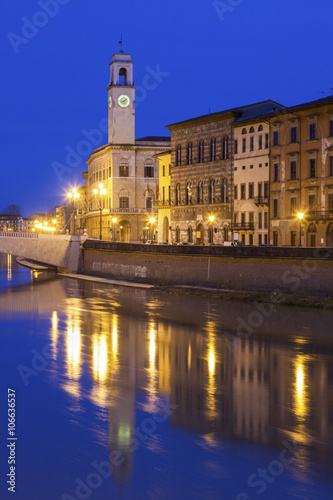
(133, 210)
(319, 215)
(261, 200)
(243, 226)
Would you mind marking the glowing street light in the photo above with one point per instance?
(211, 220)
(73, 195)
(100, 192)
(300, 216)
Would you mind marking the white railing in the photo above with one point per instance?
(12, 234)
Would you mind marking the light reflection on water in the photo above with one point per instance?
(188, 411)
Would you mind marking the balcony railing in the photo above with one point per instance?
(319, 214)
(261, 200)
(243, 226)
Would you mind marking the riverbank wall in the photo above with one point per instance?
(303, 271)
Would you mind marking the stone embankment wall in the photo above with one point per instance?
(305, 271)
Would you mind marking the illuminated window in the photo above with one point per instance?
(123, 169)
(123, 202)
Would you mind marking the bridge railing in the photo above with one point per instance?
(10, 234)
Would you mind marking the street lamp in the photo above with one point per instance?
(114, 220)
(73, 195)
(152, 222)
(211, 219)
(300, 217)
(101, 192)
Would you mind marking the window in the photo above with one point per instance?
(260, 142)
(312, 131)
(169, 169)
(201, 151)
(266, 189)
(190, 234)
(260, 220)
(260, 165)
(149, 169)
(235, 192)
(260, 239)
(251, 130)
(212, 191)
(275, 208)
(188, 194)
(236, 146)
(149, 203)
(275, 138)
(293, 134)
(243, 218)
(178, 155)
(189, 153)
(275, 172)
(200, 193)
(224, 191)
(251, 190)
(331, 128)
(266, 220)
(123, 169)
(163, 195)
(275, 238)
(330, 165)
(265, 239)
(251, 239)
(242, 192)
(251, 217)
(312, 202)
(260, 128)
(163, 171)
(123, 202)
(293, 206)
(266, 141)
(243, 145)
(169, 194)
(225, 148)
(312, 167)
(244, 131)
(251, 143)
(293, 169)
(177, 195)
(213, 149)
(330, 203)
(293, 238)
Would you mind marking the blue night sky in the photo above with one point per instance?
(54, 82)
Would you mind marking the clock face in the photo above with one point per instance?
(123, 100)
(110, 102)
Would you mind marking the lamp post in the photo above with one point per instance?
(100, 192)
(300, 217)
(114, 221)
(73, 195)
(211, 219)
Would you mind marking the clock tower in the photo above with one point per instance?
(121, 100)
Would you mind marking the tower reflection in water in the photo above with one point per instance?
(254, 390)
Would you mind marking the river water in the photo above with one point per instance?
(126, 393)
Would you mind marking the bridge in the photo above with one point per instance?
(60, 250)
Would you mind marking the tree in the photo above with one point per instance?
(12, 209)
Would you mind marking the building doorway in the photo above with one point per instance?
(124, 229)
(312, 235)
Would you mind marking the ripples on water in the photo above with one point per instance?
(163, 389)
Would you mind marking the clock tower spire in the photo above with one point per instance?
(121, 99)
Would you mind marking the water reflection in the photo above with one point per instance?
(111, 349)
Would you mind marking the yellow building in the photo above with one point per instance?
(301, 163)
(164, 198)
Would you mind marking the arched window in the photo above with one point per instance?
(188, 194)
(244, 131)
(177, 195)
(201, 151)
(177, 234)
(123, 168)
(190, 234)
(122, 76)
(260, 128)
(213, 149)
(178, 155)
(211, 197)
(200, 193)
(224, 191)
(225, 147)
(189, 153)
(251, 130)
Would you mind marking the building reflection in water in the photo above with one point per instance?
(257, 390)
(9, 267)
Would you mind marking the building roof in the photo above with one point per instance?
(311, 104)
(240, 113)
(154, 138)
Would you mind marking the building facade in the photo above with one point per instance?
(122, 180)
(164, 198)
(301, 176)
